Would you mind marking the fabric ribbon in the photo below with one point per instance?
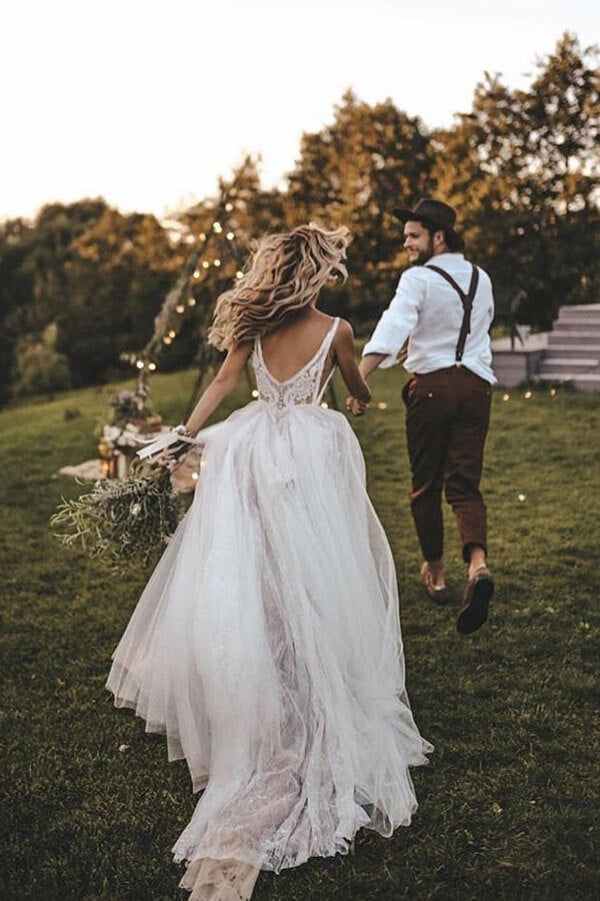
(160, 444)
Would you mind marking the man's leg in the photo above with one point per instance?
(426, 404)
(464, 463)
(463, 467)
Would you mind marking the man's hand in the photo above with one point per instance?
(355, 406)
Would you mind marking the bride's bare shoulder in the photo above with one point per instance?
(344, 331)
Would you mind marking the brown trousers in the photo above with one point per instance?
(447, 419)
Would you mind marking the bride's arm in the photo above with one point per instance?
(223, 383)
(344, 350)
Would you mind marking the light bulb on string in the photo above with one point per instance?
(140, 364)
(228, 207)
(217, 228)
(167, 340)
(196, 273)
(202, 236)
(230, 236)
(205, 264)
(180, 308)
(191, 301)
(172, 334)
(152, 367)
(239, 274)
(217, 262)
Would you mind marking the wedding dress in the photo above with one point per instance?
(267, 644)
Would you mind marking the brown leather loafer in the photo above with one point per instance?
(476, 602)
(437, 593)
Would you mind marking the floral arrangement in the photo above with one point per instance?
(128, 405)
(131, 416)
(122, 520)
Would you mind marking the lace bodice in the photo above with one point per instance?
(306, 386)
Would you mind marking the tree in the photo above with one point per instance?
(353, 172)
(39, 368)
(523, 168)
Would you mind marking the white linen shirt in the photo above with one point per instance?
(428, 311)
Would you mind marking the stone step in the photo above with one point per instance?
(579, 337)
(588, 382)
(580, 309)
(572, 350)
(572, 324)
(581, 364)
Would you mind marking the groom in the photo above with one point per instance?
(444, 306)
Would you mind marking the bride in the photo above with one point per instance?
(267, 643)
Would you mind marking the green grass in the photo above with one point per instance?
(508, 806)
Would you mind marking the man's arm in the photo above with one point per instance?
(370, 362)
(396, 323)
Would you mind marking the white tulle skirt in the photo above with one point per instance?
(267, 647)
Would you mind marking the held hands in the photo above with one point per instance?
(355, 406)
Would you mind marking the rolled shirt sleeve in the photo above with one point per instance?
(398, 321)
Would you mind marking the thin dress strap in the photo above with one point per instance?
(324, 351)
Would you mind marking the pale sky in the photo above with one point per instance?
(146, 102)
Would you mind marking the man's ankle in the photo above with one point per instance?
(437, 569)
(477, 560)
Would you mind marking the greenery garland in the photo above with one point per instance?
(122, 520)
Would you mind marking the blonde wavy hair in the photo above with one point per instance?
(285, 274)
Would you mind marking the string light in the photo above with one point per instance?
(325, 405)
(382, 405)
(255, 393)
(552, 392)
(195, 476)
(201, 267)
(506, 397)
(527, 395)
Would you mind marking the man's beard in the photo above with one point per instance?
(424, 257)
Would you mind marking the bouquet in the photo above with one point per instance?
(122, 520)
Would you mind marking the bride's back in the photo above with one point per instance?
(294, 343)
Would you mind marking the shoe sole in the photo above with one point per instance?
(475, 614)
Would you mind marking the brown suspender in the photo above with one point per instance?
(467, 304)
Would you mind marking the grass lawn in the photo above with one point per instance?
(509, 803)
